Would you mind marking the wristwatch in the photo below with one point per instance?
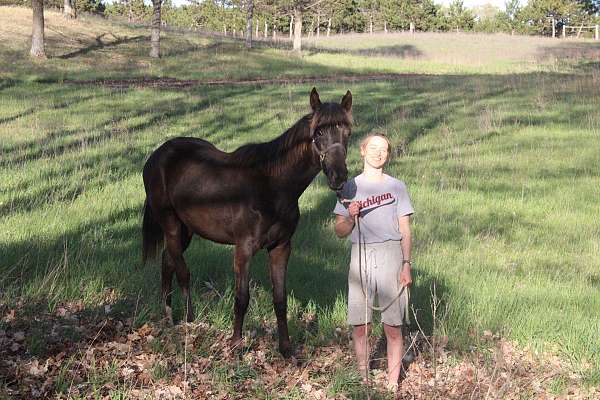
(406, 262)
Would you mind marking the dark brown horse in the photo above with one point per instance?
(248, 198)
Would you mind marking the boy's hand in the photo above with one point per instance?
(354, 209)
(405, 275)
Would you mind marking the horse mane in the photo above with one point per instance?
(290, 146)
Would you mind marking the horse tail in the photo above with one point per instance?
(152, 234)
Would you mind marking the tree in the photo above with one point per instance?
(412, 14)
(487, 18)
(89, 6)
(510, 18)
(565, 12)
(348, 17)
(37, 31)
(69, 10)
(297, 44)
(296, 8)
(460, 17)
(155, 32)
(249, 16)
(433, 19)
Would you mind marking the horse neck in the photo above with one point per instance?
(297, 168)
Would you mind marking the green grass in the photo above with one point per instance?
(501, 158)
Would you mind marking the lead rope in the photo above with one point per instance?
(365, 293)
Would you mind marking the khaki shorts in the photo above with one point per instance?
(381, 266)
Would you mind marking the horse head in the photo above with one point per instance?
(330, 129)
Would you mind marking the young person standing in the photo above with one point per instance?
(383, 206)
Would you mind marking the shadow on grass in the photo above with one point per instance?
(398, 51)
(574, 52)
(101, 45)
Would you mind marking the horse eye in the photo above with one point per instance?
(319, 133)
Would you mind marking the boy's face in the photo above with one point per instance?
(375, 152)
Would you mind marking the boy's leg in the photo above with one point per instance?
(360, 337)
(395, 349)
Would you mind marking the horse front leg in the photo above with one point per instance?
(278, 260)
(241, 266)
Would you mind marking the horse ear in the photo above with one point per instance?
(347, 102)
(315, 101)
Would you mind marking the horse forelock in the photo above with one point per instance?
(330, 114)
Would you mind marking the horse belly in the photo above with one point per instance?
(212, 223)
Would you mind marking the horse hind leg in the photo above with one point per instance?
(177, 239)
(167, 270)
(183, 274)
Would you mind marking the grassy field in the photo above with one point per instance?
(497, 138)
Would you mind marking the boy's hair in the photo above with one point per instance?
(363, 143)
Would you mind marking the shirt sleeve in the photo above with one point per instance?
(404, 206)
(348, 192)
(340, 209)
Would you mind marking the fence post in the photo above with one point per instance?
(597, 35)
(564, 31)
(553, 27)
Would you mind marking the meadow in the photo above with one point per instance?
(496, 137)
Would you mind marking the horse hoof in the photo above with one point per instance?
(235, 343)
(169, 316)
(286, 350)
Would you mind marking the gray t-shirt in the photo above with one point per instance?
(381, 205)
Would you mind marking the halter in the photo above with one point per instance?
(323, 154)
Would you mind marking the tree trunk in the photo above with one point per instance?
(249, 15)
(412, 27)
(291, 26)
(266, 29)
(318, 25)
(328, 26)
(69, 11)
(371, 24)
(37, 31)
(130, 13)
(385, 26)
(155, 33)
(298, 29)
(256, 32)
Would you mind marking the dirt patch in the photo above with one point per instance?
(174, 83)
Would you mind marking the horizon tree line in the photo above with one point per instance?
(294, 18)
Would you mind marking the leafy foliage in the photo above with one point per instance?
(565, 12)
(351, 15)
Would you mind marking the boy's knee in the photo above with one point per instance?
(393, 333)
(359, 331)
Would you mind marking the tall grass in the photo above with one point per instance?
(503, 166)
